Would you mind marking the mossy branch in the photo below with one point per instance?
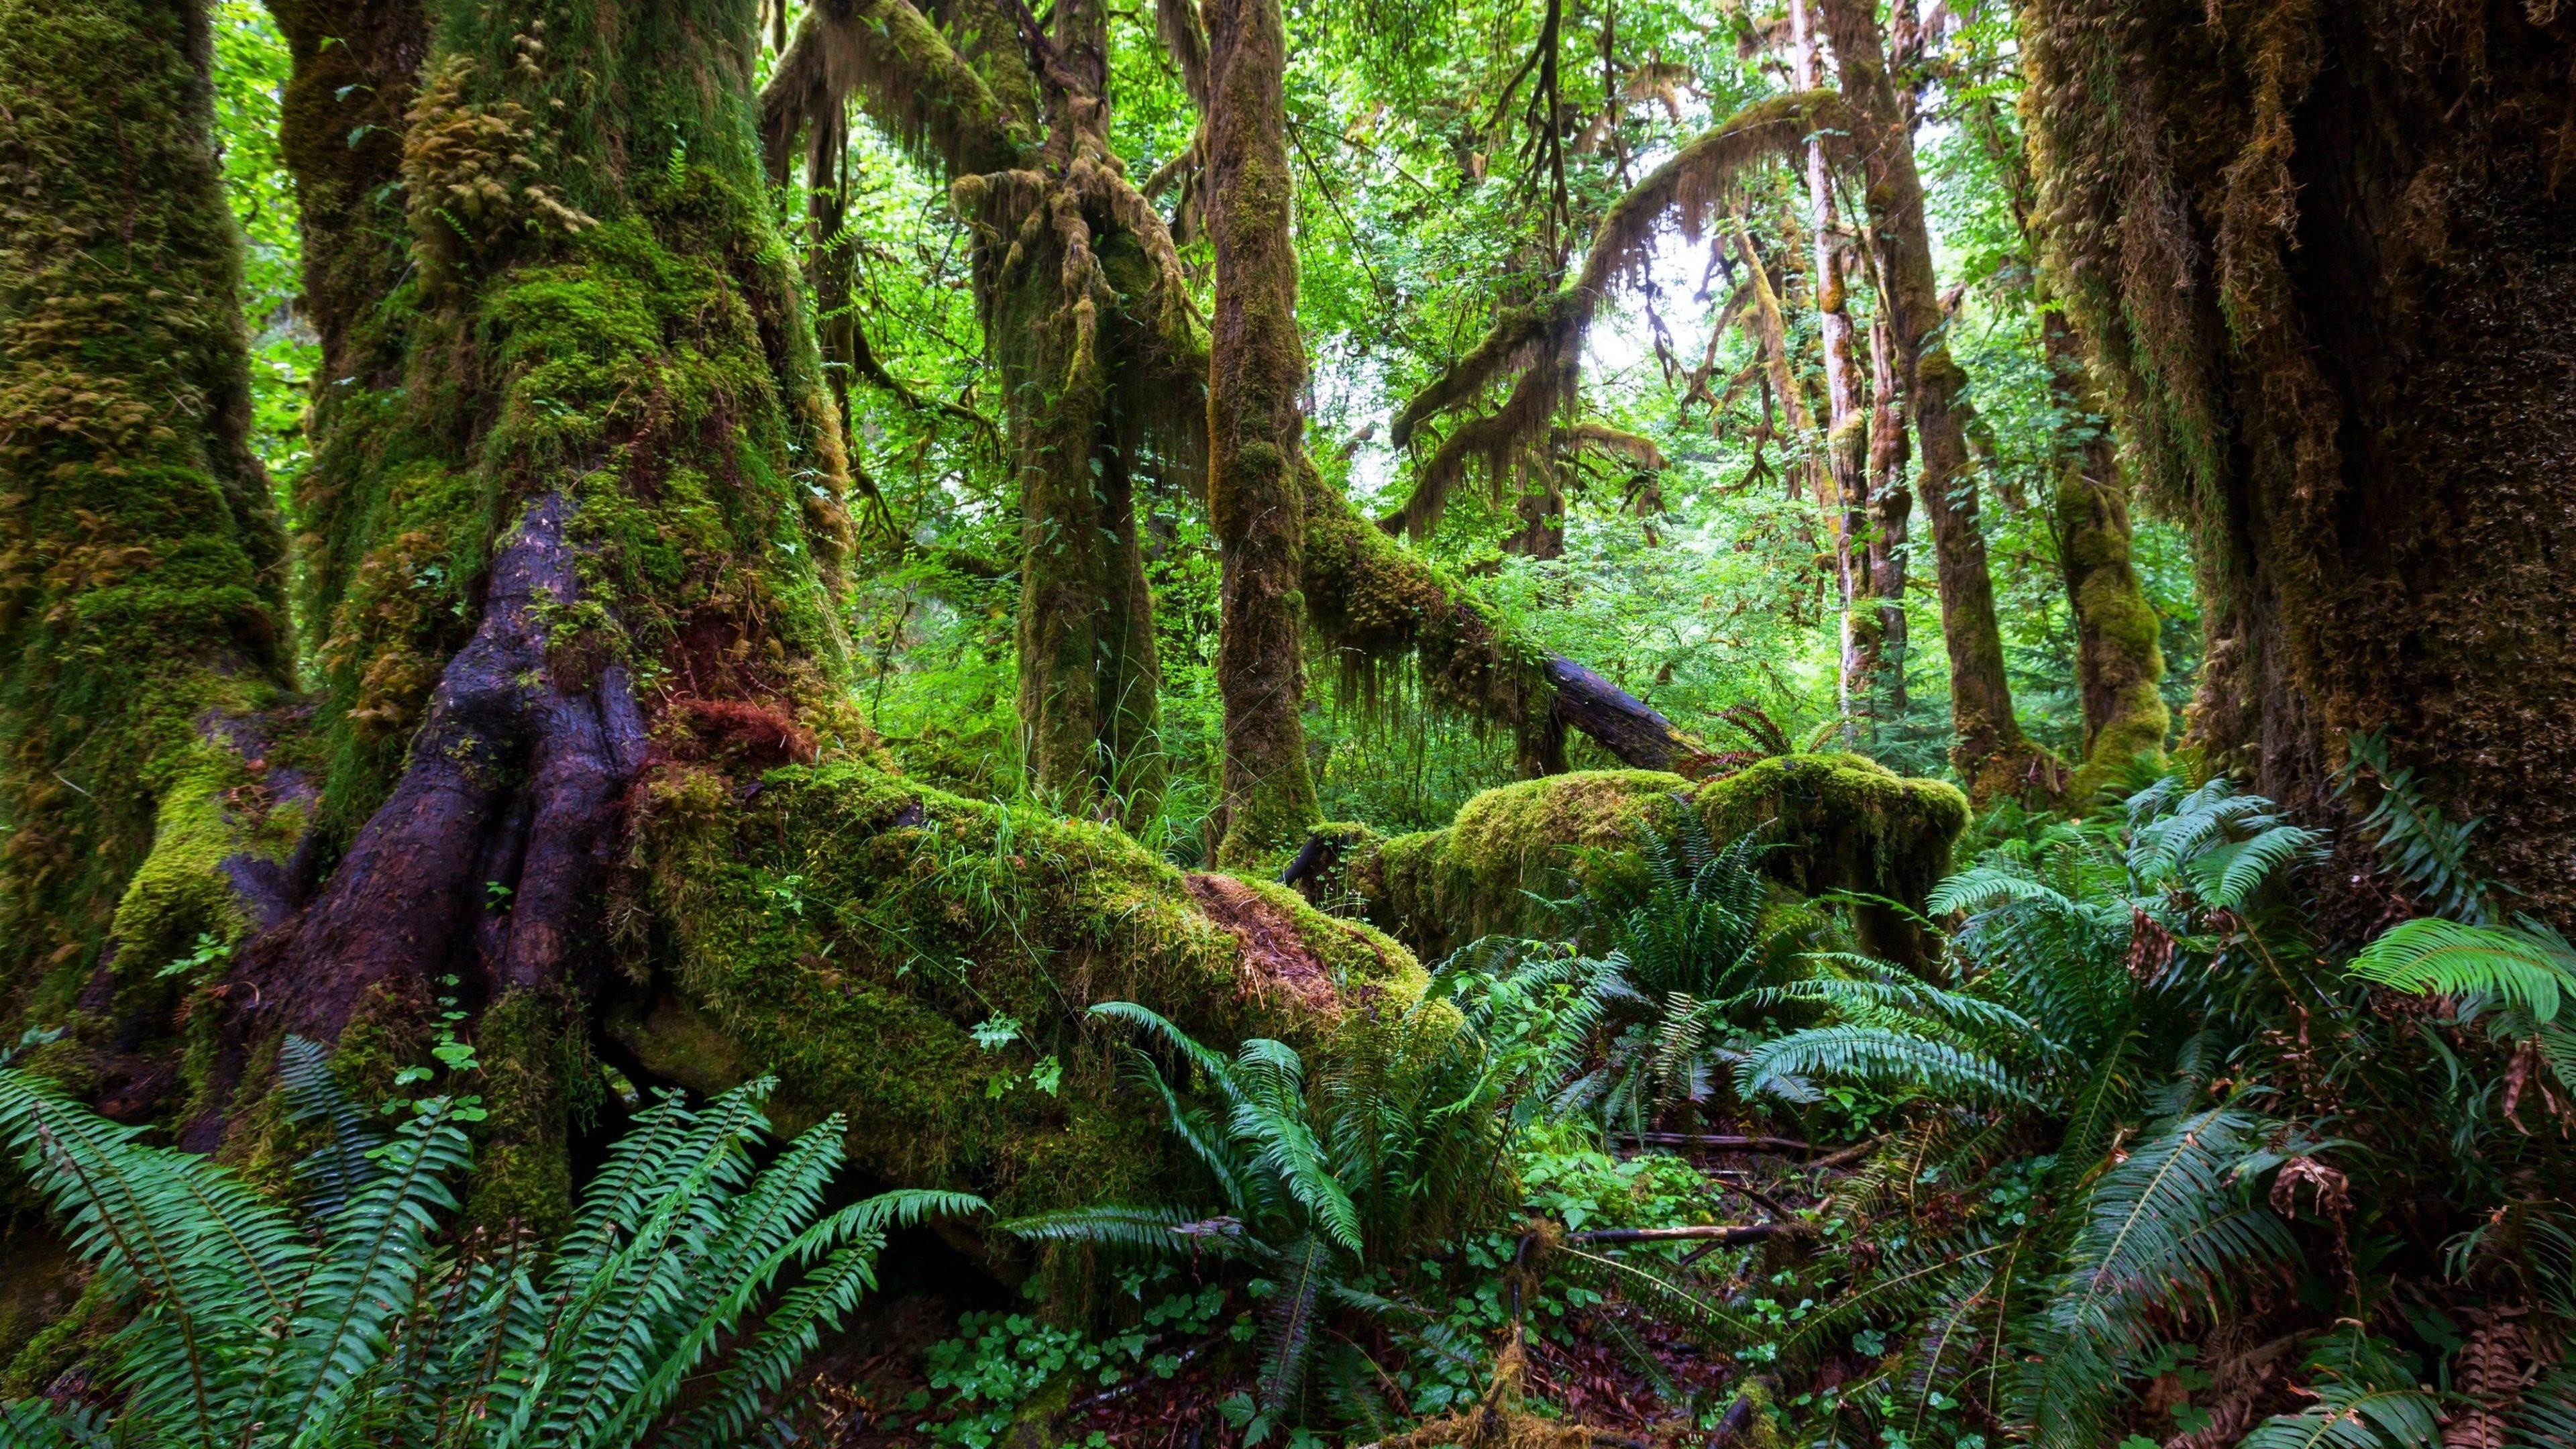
(1543, 343)
(905, 75)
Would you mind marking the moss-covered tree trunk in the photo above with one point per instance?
(142, 614)
(1256, 426)
(1080, 286)
(1846, 425)
(2119, 652)
(1085, 317)
(580, 756)
(592, 517)
(2328, 257)
(1987, 745)
(1880, 629)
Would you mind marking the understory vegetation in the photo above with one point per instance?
(2138, 1158)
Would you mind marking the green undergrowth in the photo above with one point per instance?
(923, 963)
(1838, 822)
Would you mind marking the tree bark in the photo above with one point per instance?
(1256, 449)
(2119, 652)
(1987, 745)
(2333, 312)
(142, 612)
(1845, 428)
(1883, 637)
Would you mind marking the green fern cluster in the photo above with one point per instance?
(360, 1324)
(1697, 952)
(1330, 1181)
(2119, 984)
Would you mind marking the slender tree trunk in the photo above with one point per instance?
(1891, 513)
(1845, 428)
(2119, 655)
(142, 618)
(1987, 747)
(1073, 297)
(1256, 452)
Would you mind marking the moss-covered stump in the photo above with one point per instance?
(1836, 821)
(924, 964)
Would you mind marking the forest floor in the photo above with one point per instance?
(1627, 1374)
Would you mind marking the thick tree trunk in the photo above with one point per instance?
(1987, 746)
(1256, 451)
(142, 618)
(2325, 254)
(590, 478)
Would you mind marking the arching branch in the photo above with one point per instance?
(1543, 343)
(905, 75)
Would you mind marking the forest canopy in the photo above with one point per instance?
(1536, 722)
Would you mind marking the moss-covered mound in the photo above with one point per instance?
(1837, 822)
(923, 963)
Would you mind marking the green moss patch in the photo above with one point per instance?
(924, 964)
(1839, 821)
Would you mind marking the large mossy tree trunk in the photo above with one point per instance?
(580, 757)
(1987, 746)
(2327, 255)
(596, 518)
(1256, 426)
(142, 610)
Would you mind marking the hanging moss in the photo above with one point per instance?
(1838, 822)
(850, 931)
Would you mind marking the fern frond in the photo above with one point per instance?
(210, 1257)
(1983, 887)
(343, 1163)
(363, 1283)
(1875, 1055)
(1156, 1025)
(2161, 1224)
(2229, 875)
(2529, 968)
(1150, 1230)
(2353, 1419)
(1659, 1295)
(1304, 1267)
(787, 1335)
(2547, 1414)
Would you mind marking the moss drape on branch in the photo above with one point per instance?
(1537, 349)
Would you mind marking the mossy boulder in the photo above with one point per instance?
(1836, 821)
(924, 964)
